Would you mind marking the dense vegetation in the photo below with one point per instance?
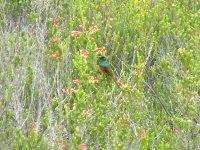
(51, 96)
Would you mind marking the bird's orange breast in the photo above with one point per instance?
(106, 70)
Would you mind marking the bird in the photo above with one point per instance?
(104, 66)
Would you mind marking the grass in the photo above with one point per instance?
(51, 96)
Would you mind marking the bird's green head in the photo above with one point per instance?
(102, 61)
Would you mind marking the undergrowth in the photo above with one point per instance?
(52, 96)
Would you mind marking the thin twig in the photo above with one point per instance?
(160, 100)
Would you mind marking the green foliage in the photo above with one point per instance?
(34, 141)
(52, 96)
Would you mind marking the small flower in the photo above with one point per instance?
(69, 91)
(54, 103)
(82, 26)
(83, 146)
(92, 79)
(99, 6)
(93, 28)
(77, 81)
(73, 91)
(143, 133)
(75, 33)
(84, 53)
(34, 125)
(57, 22)
(51, 100)
(88, 113)
(55, 54)
(65, 91)
(100, 50)
(54, 40)
(33, 129)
